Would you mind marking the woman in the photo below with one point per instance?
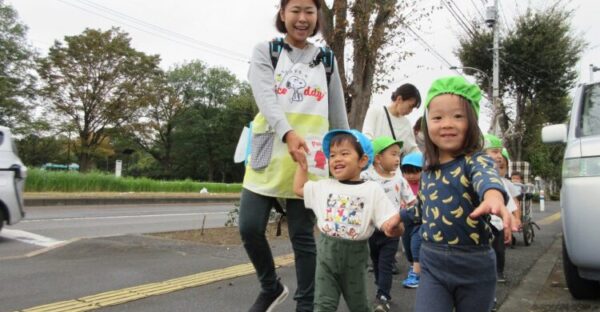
(298, 104)
(377, 123)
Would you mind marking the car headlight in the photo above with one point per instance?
(581, 167)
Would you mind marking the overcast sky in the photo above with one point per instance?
(223, 32)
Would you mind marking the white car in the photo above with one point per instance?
(580, 196)
(12, 180)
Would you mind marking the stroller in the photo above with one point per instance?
(527, 224)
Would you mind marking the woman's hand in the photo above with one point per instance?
(297, 148)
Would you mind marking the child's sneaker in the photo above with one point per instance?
(381, 304)
(412, 281)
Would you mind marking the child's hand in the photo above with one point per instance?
(395, 231)
(297, 148)
(393, 227)
(493, 203)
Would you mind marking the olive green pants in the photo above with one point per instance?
(341, 270)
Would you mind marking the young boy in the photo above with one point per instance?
(412, 165)
(382, 248)
(348, 210)
(493, 147)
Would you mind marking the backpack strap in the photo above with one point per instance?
(325, 56)
(328, 60)
(275, 47)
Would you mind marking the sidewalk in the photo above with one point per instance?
(107, 198)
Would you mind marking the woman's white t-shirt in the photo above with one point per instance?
(376, 125)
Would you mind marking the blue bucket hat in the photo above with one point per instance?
(364, 142)
(413, 159)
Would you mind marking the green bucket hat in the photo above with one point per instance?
(505, 154)
(492, 141)
(383, 142)
(455, 85)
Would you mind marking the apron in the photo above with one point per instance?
(302, 93)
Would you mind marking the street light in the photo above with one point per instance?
(592, 70)
(481, 72)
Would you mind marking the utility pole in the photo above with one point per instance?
(492, 22)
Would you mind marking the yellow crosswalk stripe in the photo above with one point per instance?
(549, 219)
(124, 295)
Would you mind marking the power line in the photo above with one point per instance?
(427, 46)
(503, 15)
(161, 34)
(477, 9)
(160, 29)
(464, 16)
(460, 22)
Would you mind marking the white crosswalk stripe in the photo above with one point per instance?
(30, 238)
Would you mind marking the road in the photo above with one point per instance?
(195, 274)
(49, 225)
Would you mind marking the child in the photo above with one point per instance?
(382, 248)
(348, 210)
(493, 148)
(289, 124)
(411, 167)
(459, 188)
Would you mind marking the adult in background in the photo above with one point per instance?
(391, 120)
(298, 102)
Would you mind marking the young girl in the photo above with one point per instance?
(298, 104)
(459, 188)
(348, 210)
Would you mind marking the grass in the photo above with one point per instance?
(70, 182)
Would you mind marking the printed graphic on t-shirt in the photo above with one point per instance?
(343, 216)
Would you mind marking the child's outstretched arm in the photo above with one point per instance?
(300, 179)
(493, 202)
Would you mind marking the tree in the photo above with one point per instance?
(375, 29)
(95, 82)
(153, 133)
(16, 65)
(537, 69)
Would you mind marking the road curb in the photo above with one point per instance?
(523, 297)
(75, 201)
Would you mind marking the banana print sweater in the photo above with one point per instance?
(450, 193)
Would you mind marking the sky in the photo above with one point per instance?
(223, 33)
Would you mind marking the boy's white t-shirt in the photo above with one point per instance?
(511, 205)
(348, 211)
(396, 188)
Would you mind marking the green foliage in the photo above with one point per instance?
(537, 69)
(16, 79)
(60, 181)
(96, 81)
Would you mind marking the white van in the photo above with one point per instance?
(12, 180)
(580, 193)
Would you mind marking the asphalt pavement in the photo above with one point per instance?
(147, 273)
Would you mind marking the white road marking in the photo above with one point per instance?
(127, 216)
(30, 238)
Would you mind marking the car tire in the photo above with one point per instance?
(580, 288)
(2, 218)
(528, 234)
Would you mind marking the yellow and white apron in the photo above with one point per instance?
(303, 95)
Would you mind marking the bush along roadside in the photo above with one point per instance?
(61, 181)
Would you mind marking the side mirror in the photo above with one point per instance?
(554, 134)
